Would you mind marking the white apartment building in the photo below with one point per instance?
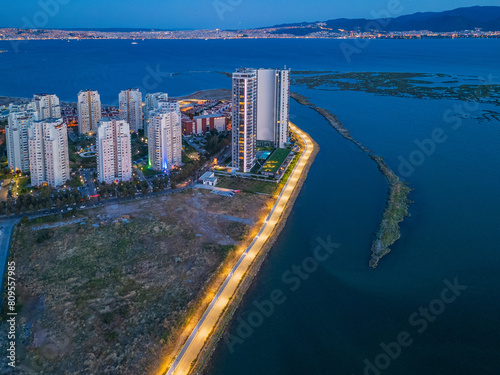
(47, 106)
(48, 152)
(20, 118)
(273, 97)
(151, 103)
(165, 136)
(131, 108)
(114, 155)
(244, 135)
(89, 111)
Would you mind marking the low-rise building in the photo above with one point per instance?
(187, 126)
(207, 123)
(209, 179)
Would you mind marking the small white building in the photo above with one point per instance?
(209, 179)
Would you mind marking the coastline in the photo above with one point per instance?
(223, 94)
(211, 338)
(397, 201)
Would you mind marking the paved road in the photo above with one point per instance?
(4, 190)
(205, 326)
(89, 187)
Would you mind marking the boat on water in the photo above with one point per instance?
(134, 42)
(3, 51)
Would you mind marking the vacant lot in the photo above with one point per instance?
(249, 186)
(104, 295)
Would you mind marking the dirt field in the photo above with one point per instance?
(103, 295)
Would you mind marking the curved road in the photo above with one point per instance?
(196, 341)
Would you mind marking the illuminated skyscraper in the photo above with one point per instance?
(244, 118)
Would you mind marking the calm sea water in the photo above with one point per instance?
(339, 319)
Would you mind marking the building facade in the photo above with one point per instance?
(244, 127)
(165, 136)
(20, 118)
(283, 107)
(89, 111)
(47, 106)
(114, 155)
(130, 102)
(273, 97)
(48, 152)
(188, 126)
(151, 103)
(207, 123)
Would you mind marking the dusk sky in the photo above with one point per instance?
(195, 14)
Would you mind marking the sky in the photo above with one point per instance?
(209, 14)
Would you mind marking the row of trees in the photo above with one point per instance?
(160, 183)
(188, 170)
(217, 141)
(46, 198)
(122, 189)
(129, 189)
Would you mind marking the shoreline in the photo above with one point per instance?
(198, 360)
(205, 357)
(397, 201)
(223, 94)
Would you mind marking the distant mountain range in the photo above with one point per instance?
(485, 17)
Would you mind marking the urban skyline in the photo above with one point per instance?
(221, 14)
(246, 187)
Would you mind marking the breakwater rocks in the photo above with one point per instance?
(397, 198)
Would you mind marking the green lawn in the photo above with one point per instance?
(276, 160)
(23, 182)
(247, 185)
(150, 172)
